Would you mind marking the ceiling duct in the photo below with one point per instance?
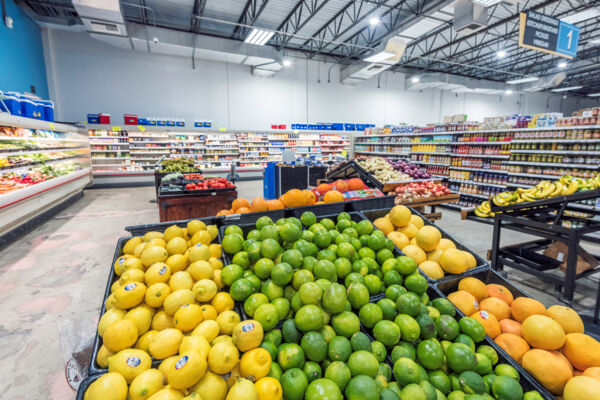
(386, 57)
(455, 84)
(101, 16)
(469, 17)
(545, 82)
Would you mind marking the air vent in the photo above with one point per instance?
(469, 17)
(104, 27)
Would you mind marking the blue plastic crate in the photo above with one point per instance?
(28, 107)
(142, 121)
(12, 101)
(48, 110)
(349, 127)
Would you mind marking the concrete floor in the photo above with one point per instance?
(53, 279)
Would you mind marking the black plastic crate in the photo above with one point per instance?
(371, 203)
(530, 258)
(450, 283)
(320, 210)
(140, 230)
(481, 263)
(85, 384)
(249, 218)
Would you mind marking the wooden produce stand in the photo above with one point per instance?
(420, 204)
(174, 207)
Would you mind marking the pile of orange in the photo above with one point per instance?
(549, 343)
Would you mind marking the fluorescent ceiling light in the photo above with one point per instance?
(523, 80)
(287, 63)
(566, 89)
(562, 64)
(595, 41)
(415, 79)
(594, 95)
(374, 21)
(489, 3)
(424, 26)
(501, 53)
(581, 16)
(377, 57)
(259, 37)
(508, 92)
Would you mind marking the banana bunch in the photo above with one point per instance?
(564, 186)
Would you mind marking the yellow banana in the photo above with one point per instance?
(571, 188)
(481, 214)
(558, 189)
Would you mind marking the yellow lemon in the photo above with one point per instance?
(216, 263)
(208, 312)
(255, 364)
(166, 343)
(213, 384)
(222, 302)
(162, 320)
(227, 320)
(199, 252)
(446, 244)
(201, 270)
(202, 237)
(156, 294)
(146, 384)
(110, 302)
(142, 317)
(131, 244)
(181, 280)
(471, 262)
(157, 242)
(147, 307)
(157, 273)
(125, 264)
(167, 393)
(130, 295)
(152, 235)
(103, 355)
(129, 363)
(176, 299)
(139, 249)
(400, 216)
(415, 252)
(194, 343)
(187, 370)
(204, 289)
(173, 231)
(109, 386)
(177, 262)
(384, 224)
(268, 388)
(223, 357)
(194, 226)
(131, 275)
(217, 279)
(114, 286)
(399, 239)
(454, 261)
(215, 250)
(242, 389)
(417, 221)
(432, 269)
(213, 231)
(110, 316)
(247, 335)
(153, 254)
(435, 255)
(166, 364)
(208, 329)
(221, 338)
(187, 317)
(120, 335)
(177, 245)
(143, 343)
(428, 238)
(409, 230)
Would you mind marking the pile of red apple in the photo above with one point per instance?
(419, 190)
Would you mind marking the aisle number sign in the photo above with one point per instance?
(550, 35)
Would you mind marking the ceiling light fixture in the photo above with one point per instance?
(415, 79)
(594, 95)
(501, 53)
(562, 64)
(259, 37)
(566, 89)
(377, 57)
(508, 92)
(595, 41)
(287, 63)
(374, 21)
(523, 80)
(581, 16)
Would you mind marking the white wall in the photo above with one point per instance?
(88, 76)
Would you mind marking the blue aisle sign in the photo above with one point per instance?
(543, 33)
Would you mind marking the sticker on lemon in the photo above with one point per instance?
(129, 363)
(247, 335)
(187, 370)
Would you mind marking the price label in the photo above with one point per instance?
(51, 124)
(142, 128)
(222, 129)
(344, 153)
(116, 129)
(296, 131)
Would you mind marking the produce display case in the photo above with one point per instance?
(186, 206)
(43, 166)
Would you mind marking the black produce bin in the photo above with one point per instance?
(315, 174)
(371, 203)
(85, 384)
(140, 230)
(449, 283)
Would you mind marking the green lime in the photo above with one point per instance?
(339, 348)
(289, 332)
(484, 365)
(360, 267)
(283, 307)
(345, 323)
(269, 232)
(262, 268)
(360, 341)
(290, 232)
(282, 274)
(334, 298)
(394, 387)
(327, 332)
(270, 248)
(364, 240)
(388, 394)
(267, 315)
(409, 327)
(274, 337)
(370, 314)
(271, 290)
(241, 289)
(308, 263)
(309, 318)
(440, 381)
(344, 215)
(364, 227)
(427, 326)
(325, 269)
(351, 232)
(357, 245)
(376, 240)
(290, 355)
(253, 302)
(406, 371)
(345, 250)
(310, 293)
(489, 352)
(342, 238)
(314, 228)
(379, 351)
(406, 265)
(254, 234)
(373, 284)
(507, 388)
(408, 303)
(312, 371)
(388, 265)
(271, 348)
(293, 383)
(362, 387)
(327, 254)
(231, 273)
(232, 243)
(234, 229)
(460, 358)
(343, 267)
(392, 278)
(263, 221)
(366, 252)
(444, 306)
(289, 292)
(430, 354)
(327, 223)
(403, 349)
(394, 291)
(532, 395)
(446, 327)
(295, 302)
(433, 312)
(322, 239)
(253, 251)
(305, 248)
(308, 218)
(301, 277)
(456, 395)
(416, 283)
(464, 339)
(339, 373)
(323, 389)
(241, 258)
(387, 332)
(358, 295)
(388, 309)
(507, 370)
(275, 371)
(472, 328)
(292, 257)
(363, 362)
(314, 346)
(308, 236)
(343, 224)
(428, 389)
(354, 277)
(253, 279)
(383, 255)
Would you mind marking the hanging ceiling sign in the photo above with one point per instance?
(550, 35)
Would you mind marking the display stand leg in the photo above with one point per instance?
(569, 287)
(496, 244)
(597, 308)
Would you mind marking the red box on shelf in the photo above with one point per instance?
(273, 126)
(104, 118)
(282, 126)
(130, 119)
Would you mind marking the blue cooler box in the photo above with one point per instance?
(12, 103)
(28, 107)
(48, 108)
(93, 118)
(142, 121)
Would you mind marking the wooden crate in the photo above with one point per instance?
(173, 208)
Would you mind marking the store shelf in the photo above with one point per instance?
(382, 153)
(16, 152)
(149, 141)
(558, 165)
(556, 140)
(109, 158)
(386, 144)
(480, 196)
(541, 176)
(496, 156)
(44, 139)
(109, 151)
(432, 153)
(429, 163)
(479, 170)
(39, 164)
(108, 137)
(109, 143)
(476, 183)
(573, 152)
(499, 143)
(111, 165)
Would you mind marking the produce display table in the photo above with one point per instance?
(188, 206)
(420, 204)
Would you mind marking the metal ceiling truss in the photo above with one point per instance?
(296, 20)
(198, 11)
(251, 12)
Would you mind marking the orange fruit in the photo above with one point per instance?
(582, 388)
(274, 205)
(489, 322)
(355, 184)
(510, 326)
(333, 196)
(239, 203)
(499, 291)
(323, 188)
(474, 286)
(309, 197)
(224, 212)
(514, 345)
(583, 351)
(340, 186)
(243, 210)
(523, 307)
(464, 301)
(494, 305)
(549, 367)
(293, 198)
(567, 318)
(593, 372)
(258, 204)
(543, 332)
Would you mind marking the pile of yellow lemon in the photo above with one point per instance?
(166, 305)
